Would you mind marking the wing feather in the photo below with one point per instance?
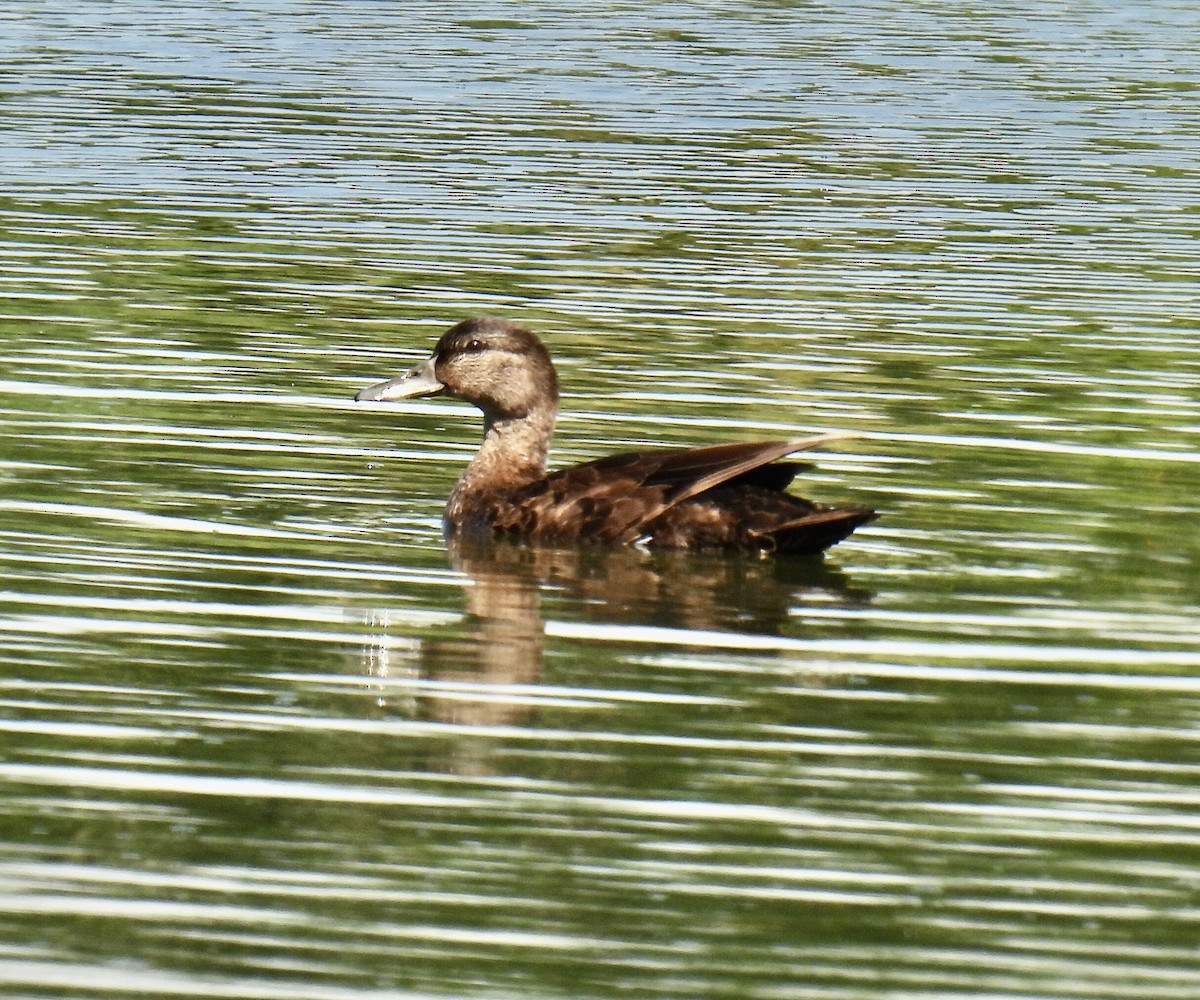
(613, 499)
(698, 469)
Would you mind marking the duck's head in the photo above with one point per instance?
(499, 366)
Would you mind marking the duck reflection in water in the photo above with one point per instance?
(667, 537)
(500, 644)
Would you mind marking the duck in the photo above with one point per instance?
(721, 496)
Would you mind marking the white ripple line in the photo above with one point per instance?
(115, 779)
(141, 519)
(140, 981)
(978, 651)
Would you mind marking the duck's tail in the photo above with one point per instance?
(817, 531)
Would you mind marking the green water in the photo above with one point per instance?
(263, 736)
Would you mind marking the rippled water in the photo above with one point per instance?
(262, 735)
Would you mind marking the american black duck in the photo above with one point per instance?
(722, 496)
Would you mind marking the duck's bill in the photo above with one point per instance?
(419, 382)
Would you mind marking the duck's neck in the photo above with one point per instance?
(513, 454)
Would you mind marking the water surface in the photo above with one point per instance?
(263, 735)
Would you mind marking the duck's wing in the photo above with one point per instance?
(612, 499)
(695, 470)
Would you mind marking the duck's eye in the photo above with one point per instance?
(473, 346)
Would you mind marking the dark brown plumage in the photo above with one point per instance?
(722, 496)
